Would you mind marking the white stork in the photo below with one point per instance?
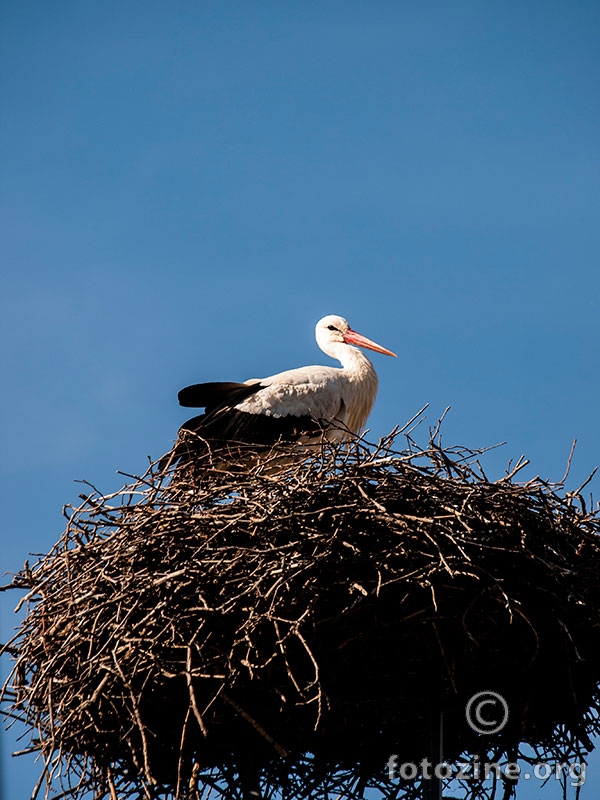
(293, 404)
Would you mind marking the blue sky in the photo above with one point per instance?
(188, 186)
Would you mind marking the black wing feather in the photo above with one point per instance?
(216, 394)
(230, 425)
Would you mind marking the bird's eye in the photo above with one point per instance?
(332, 328)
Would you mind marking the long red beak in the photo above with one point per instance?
(352, 337)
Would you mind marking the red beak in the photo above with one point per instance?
(352, 337)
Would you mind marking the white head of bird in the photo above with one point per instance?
(333, 331)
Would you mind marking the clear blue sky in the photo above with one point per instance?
(188, 186)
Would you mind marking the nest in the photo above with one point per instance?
(221, 629)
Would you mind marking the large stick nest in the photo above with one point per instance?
(300, 623)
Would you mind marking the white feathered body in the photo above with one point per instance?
(344, 395)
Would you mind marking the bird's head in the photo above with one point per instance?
(332, 329)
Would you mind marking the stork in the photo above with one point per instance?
(294, 404)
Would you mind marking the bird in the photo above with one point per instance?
(290, 406)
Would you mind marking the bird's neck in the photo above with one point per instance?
(353, 360)
(360, 374)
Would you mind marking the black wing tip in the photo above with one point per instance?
(189, 395)
(215, 394)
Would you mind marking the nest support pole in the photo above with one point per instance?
(432, 788)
